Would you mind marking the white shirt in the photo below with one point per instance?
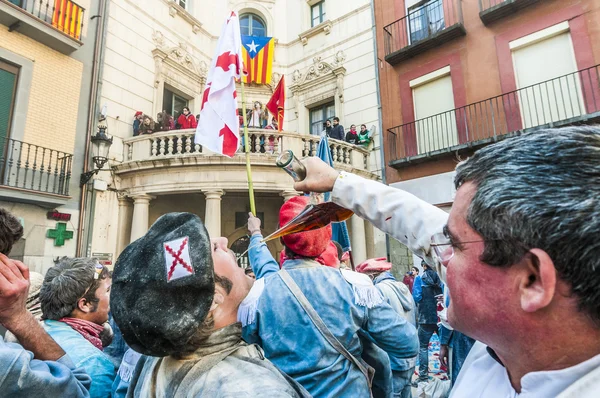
(483, 376)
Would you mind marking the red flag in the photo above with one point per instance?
(218, 128)
(276, 104)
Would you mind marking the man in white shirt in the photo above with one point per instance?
(520, 249)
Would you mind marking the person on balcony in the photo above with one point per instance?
(257, 117)
(352, 136)
(75, 299)
(364, 136)
(186, 120)
(328, 128)
(137, 121)
(148, 125)
(273, 125)
(337, 131)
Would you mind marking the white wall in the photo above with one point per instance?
(436, 189)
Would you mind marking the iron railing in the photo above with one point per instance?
(422, 23)
(65, 15)
(571, 98)
(35, 168)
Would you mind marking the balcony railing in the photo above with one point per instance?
(430, 25)
(64, 15)
(572, 98)
(492, 10)
(181, 143)
(35, 168)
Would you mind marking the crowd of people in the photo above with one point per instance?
(336, 131)
(256, 118)
(509, 280)
(145, 124)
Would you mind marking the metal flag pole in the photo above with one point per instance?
(247, 149)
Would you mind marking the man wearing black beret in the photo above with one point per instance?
(175, 297)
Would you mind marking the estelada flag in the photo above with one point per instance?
(258, 58)
(276, 104)
(219, 128)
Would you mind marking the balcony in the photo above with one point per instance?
(493, 10)
(54, 23)
(432, 24)
(169, 162)
(31, 173)
(570, 99)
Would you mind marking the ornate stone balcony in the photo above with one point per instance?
(172, 162)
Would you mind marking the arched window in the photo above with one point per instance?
(253, 25)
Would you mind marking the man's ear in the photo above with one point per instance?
(84, 306)
(218, 299)
(538, 284)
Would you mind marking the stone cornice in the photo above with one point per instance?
(176, 9)
(324, 26)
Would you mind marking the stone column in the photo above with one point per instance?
(212, 218)
(370, 239)
(288, 194)
(357, 236)
(124, 222)
(141, 207)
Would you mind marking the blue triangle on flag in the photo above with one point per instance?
(254, 44)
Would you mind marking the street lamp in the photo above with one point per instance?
(100, 146)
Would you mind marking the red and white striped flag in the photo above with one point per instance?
(218, 128)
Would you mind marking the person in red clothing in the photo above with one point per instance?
(409, 278)
(186, 120)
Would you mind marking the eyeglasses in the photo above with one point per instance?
(443, 247)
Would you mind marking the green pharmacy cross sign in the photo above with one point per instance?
(59, 234)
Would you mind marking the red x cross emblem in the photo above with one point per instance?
(180, 257)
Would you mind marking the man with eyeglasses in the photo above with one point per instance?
(519, 252)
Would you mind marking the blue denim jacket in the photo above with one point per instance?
(294, 344)
(23, 376)
(85, 355)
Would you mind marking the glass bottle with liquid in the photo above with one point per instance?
(317, 214)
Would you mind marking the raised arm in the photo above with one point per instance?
(261, 260)
(53, 372)
(405, 217)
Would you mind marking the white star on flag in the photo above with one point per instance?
(252, 46)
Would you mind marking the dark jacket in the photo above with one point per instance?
(351, 138)
(337, 132)
(426, 287)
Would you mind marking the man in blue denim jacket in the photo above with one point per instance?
(348, 305)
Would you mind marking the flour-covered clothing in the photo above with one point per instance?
(278, 323)
(223, 367)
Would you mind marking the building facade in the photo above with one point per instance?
(156, 59)
(456, 75)
(46, 56)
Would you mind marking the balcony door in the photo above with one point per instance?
(435, 123)
(549, 89)
(8, 88)
(425, 19)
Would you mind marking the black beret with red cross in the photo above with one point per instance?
(163, 285)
